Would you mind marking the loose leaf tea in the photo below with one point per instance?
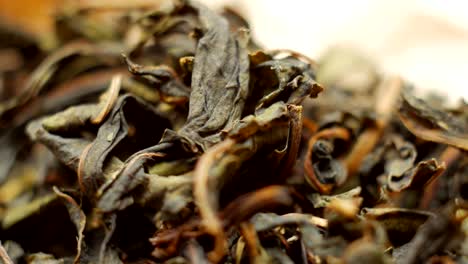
(162, 133)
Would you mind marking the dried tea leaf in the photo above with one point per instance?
(432, 124)
(401, 224)
(170, 87)
(43, 258)
(45, 72)
(399, 159)
(249, 204)
(347, 69)
(416, 177)
(12, 141)
(20, 181)
(438, 233)
(256, 252)
(114, 194)
(122, 128)
(323, 171)
(220, 81)
(194, 253)
(266, 221)
(22, 211)
(362, 251)
(77, 217)
(320, 201)
(199, 146)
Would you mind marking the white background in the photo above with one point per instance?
(424, 41)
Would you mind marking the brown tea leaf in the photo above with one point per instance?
(77, 217)
(325, 173)
(199, 146)
(220, 81)
(401, 224)
(433, 124)
(438, 233)
(416, 177)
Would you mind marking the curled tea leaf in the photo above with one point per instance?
(432, 124)
(171, 89)
(324, 172)
(401, 224)
(422, 174)
(77, 217)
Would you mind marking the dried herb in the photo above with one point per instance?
(147, 133)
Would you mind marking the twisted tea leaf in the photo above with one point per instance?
(432, 124)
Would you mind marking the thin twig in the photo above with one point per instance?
(4, 255)
(201, 194)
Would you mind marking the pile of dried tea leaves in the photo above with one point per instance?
(164, 134)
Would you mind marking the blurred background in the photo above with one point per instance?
(424, 41)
